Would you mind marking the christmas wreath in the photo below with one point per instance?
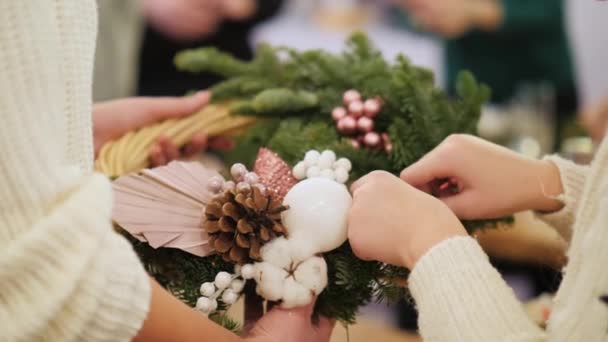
(307, 123)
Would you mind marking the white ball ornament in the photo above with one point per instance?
(207, 289)
(229, 297)
(318, 212)
(327, 159)
(312, 157)
(343, 163)
(222, 280)
(299, 171)
(206, 305)
(313, 172)
(341, 175)
(248, 271)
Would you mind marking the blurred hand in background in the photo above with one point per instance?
(186, 20)
(453, 18)
(595, 120)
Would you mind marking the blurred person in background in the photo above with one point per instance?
(172, 26)
(138, 39)
(505, 43)
(136, 44)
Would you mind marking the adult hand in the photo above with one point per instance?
(112, 119)
(294, 325)
(480, 180)
(392, 222)
(184, 20)
(453, 18)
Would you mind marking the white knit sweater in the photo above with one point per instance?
(461, 297)
(64, 274)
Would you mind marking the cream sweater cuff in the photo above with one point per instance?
(573, 178)
(461, 297)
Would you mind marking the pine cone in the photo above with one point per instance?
(240, 222)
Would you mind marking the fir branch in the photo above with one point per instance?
(278, 102)
(211, 60)
(225, 321)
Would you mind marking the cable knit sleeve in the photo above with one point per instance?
(64, 274)
(461, 297)
(573, 178)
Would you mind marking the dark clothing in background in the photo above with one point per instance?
(531, 47)
(157, 74)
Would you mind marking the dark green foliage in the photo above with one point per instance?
(227, 322)
(295, 93)
(179, 272)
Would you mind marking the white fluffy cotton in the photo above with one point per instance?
(312, 274)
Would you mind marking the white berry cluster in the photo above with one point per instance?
(286, 275)
(323, 164)
(226, 287)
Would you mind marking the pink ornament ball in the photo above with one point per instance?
(371, 139)
(388, 148)
(371, 107)
(350, 96)
(355, 144)
(355, 108)
(338, 113)
(365, 124)
(347, 125)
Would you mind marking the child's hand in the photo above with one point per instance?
(392, 222)
(480, 180)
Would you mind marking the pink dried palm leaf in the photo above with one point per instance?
(165, 206)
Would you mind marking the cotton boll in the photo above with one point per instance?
(341, 175)
(318, 212)
(312, 274)
(301, 249)
(299, 171)
(277, 252)
(294, 294)
(313, 172)
(311, 158)
(327, 159)
(270, 281)
(343, 163)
